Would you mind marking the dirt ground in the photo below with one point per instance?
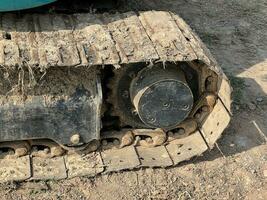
(236, 33)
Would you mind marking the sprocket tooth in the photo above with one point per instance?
(120, 79)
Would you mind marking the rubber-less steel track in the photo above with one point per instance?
(43, 41)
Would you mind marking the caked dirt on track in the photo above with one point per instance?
(236, 34)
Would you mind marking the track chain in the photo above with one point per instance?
(171, 153)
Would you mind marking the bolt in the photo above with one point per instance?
(104, 142)
(151, 119)
(116, 142)
(197, 115)
(185, 107)
(94, 146)
(170, 134)
(75, 139)
(209, 83)
(181, 131)
(125, 94)
(205, 108)
(166, 104)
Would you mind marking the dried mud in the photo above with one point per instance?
(19, 86)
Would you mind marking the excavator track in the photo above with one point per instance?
(50, 41)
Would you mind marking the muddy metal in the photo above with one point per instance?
(90, 93)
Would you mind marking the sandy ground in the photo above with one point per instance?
(236, 33)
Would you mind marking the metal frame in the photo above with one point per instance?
(7, 5)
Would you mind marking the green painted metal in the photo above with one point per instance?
(11, 5)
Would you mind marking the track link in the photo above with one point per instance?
(44, 41)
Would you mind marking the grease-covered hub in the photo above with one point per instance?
(161, 96)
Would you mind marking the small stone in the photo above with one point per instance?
(252, 106)
(232, 145)
(265, 173)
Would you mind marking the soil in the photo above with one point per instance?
(236, 34)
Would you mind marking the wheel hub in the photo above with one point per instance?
(161, 96)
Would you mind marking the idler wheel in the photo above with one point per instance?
(161, 96)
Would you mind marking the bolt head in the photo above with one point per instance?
(116, 142)
(170, 134)
(181, 131)
(75, 139)
(197, 115)
(205, 108)
(104, 142)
